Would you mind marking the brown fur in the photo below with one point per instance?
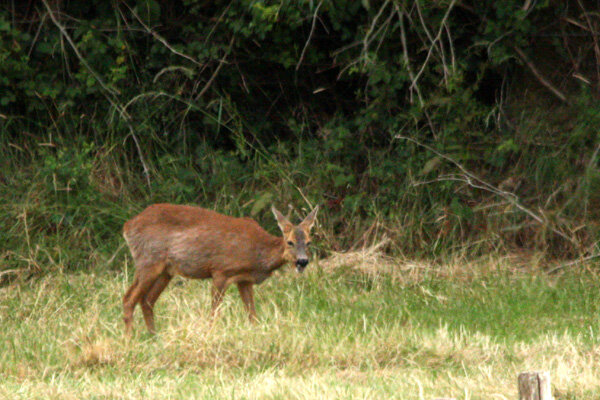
(167, 240)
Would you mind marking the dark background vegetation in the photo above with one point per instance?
(441, 126)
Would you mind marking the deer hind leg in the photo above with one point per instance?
(143, 281)
(127, 295)
(247, 295)
(151, 296)
(127, 308)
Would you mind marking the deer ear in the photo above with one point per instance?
(284, 224)
(309, 221)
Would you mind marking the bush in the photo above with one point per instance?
(234, 105)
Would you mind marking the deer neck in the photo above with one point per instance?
(274, 258)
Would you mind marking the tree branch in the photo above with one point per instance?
(162, 40)
(411, 74)
(476, 182)
(214, 75)
(539, 76)
(109, 93)
(435, 40)
(312, 30)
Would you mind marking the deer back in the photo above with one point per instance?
(197, 242)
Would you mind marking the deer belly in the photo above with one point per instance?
(189, 271)
(189, 262)
(259, 278)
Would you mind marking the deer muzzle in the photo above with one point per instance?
(301, 263)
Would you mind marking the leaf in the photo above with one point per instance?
(508, 146)
(44, 48)
(261, 203)
(342, 180)
(431, 165)
(4, 25)
(460, 209)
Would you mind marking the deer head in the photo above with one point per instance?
(296, 238)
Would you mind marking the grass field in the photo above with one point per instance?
(412, 332)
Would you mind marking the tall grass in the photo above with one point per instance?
(63, 203)
(337, 331)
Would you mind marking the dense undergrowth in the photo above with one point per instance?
(107, 107)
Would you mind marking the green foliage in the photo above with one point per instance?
(236, 104)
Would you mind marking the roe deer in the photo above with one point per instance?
(167, 240)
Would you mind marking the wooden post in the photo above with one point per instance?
(535, 386)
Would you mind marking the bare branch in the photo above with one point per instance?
(37, 34)
(312, 30)
(368, 39)
(411, 74)
(214, 27)
(452, 56)
(65, 34)
(539, 76)
(435, 40)
(214, 75)
(574, 262)
(434, 44)
(109, 93)
(594, 37)
(476, 182)
(162, 40)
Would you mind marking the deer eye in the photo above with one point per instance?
(291, 243)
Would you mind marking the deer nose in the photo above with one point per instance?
(302, 262)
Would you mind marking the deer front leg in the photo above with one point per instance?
(247, 295)
(218, 290)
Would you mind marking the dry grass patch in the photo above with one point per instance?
(348, 330)
(372, 261)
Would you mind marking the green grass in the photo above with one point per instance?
(335, 333)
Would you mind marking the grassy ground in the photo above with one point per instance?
(414, 332)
